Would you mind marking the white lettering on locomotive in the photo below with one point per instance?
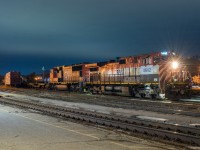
(150, 69)
(146, 69)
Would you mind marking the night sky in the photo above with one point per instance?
(36, 33)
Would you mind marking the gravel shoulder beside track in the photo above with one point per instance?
(80, 101)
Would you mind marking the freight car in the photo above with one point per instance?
(154, 75)
(13, 78)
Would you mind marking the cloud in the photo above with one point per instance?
(96, 30)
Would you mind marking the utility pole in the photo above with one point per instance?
(43, 69)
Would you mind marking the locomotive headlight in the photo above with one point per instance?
(175, 64)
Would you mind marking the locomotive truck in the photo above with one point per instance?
(156, 75)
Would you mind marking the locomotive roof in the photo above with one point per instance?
(116, 60)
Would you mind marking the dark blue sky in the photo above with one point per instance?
(36, 33)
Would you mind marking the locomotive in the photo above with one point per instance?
(157, 75)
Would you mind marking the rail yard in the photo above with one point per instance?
(99, 75)
(171, 122)
(153, 97)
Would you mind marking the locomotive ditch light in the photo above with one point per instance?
(175, 64)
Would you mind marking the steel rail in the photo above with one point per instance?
(129, 104)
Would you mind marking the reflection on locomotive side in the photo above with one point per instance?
(154, 75)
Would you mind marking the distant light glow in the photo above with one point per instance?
(175, 64)
(164, 53)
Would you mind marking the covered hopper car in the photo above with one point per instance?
(154, 75)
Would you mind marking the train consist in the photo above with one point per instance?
(154, 75)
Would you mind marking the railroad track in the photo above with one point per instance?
(172, 132)
(185, 108)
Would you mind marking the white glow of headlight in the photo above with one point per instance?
(175, 64)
